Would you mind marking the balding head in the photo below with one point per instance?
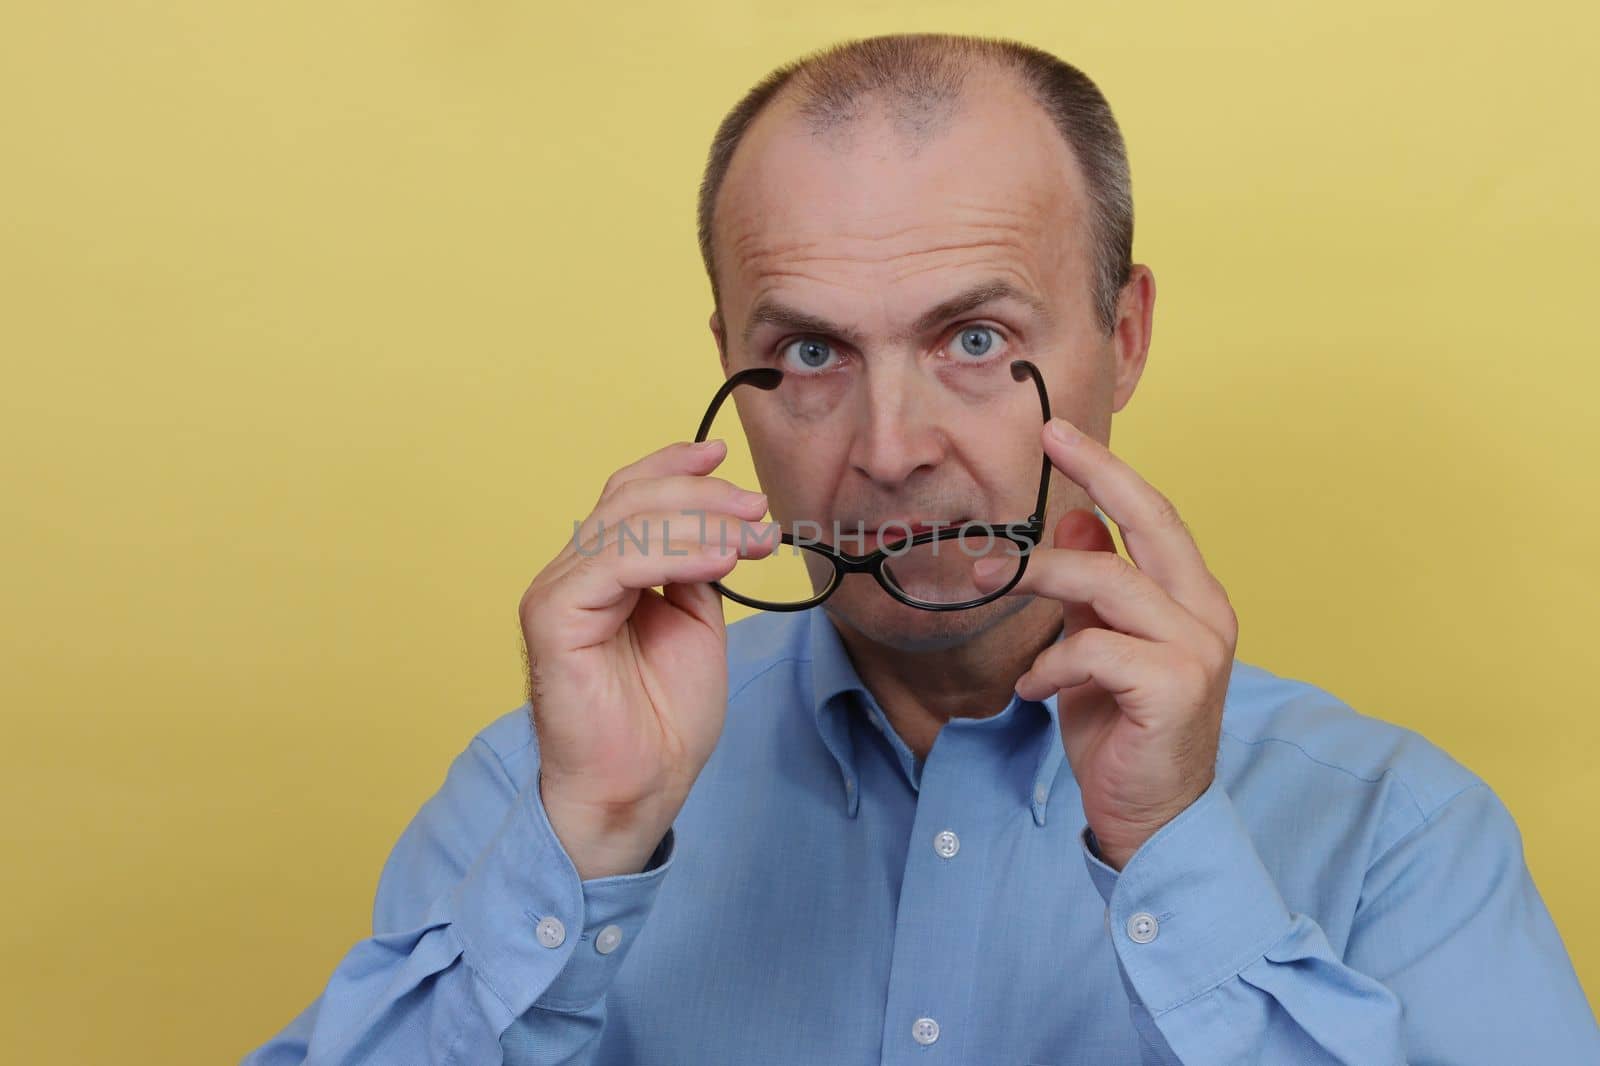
(916, 84)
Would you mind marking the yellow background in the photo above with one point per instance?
(322, 321)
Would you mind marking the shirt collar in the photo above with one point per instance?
(837, 691)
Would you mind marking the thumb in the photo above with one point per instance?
(699, 599)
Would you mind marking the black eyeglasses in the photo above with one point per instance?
(913, 570)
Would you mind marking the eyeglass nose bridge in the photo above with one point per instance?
(877, 561)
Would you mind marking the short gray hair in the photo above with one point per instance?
(922, 74)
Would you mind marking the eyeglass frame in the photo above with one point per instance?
(844, 563)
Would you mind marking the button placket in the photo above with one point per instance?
(956, 819)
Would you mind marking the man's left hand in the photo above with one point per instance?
(1141, 678)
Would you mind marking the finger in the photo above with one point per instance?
(1121, 664)
(662, 553)
(1124, 597)
(589, 603)
(682, 457)
(1157, 539)
(651, 532)
(690, 495)
(1082, 528)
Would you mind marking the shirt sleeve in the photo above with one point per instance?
(480, 919)
(1452, 956)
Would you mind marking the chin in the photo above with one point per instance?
(886, 621)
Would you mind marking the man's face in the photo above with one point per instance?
(832, 251)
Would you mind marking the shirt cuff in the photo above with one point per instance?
(1192, 906)
(531, 929)
(614, 910)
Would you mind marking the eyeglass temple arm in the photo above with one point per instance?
(1021, 369)
(765, 378)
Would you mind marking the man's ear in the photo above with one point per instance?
(717, 332)
(1136, 306)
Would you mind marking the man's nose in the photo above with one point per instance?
(896, 431)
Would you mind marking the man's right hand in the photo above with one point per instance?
(629, 686)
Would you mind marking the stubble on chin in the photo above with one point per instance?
(881, 620)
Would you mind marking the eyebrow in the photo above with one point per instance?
(773, 313)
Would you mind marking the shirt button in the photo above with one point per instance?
(608, 939)
(946, 844)
(551, 932)
(924, 1030)
(1142, 927)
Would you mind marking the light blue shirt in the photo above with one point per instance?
(1344, 892)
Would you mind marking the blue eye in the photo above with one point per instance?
(975, 342)
(807, 354)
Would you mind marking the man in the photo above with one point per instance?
(1061, 825)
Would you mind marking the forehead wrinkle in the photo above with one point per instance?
(1010, 220)
(904, 265)
(1028, 209)
(1029, 213)
(800, 249)
(802, 241)
(766, 309)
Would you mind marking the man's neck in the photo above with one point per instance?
(921, 691)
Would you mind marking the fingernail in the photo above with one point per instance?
(709, 445)
(750, 499)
